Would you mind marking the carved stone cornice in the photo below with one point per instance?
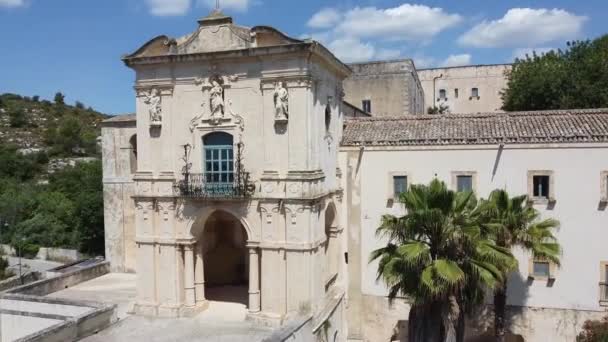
(165, 88)
(267, 82)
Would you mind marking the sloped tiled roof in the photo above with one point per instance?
(557, 126)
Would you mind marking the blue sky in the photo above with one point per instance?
(74, 46)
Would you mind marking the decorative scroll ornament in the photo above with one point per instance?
(154, 100)
(281, 102)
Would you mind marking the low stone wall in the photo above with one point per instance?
(59, 254)
(297, 330)
(16, 280)
(7, 250)
(63, 281)
(326, 325)
(76, 321)
(385, 322)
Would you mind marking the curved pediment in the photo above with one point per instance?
(216, 32)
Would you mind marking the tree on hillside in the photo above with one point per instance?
(574, 78)
(59, 98)
(17, 118)
(82, 184)
(514, 223)
(437, 256)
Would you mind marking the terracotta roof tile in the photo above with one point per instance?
(557, 126)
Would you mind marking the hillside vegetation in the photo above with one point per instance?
(63, 208)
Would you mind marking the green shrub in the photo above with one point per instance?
(26, 249)
(594, 331)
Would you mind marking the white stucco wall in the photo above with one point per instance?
(489, 79)
(577, 185)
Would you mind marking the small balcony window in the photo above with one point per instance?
(367, 106)
(456, 93)
(442, 94)
(541, 186)
(542, 269)
(399, 185)
(474, 93)
(464, 183)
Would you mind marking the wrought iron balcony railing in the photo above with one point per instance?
(200, 185)
(604, 292)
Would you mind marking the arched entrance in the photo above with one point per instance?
(226, 258)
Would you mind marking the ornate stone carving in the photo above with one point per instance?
(154, 100)
(281, 102)
(216, 98)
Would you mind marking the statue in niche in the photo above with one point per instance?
(281, 101)
(153, 99)
(216, 98)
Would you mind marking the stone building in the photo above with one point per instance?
(465, 89)
(227, 175)
(239, 173)
(385, 88)
(566, 151)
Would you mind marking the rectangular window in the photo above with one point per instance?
(541, 186)
(367, 106)
(464, 183)
(542, 269)
(456, 93)
(474, 92)
(442, 94)
(399, 185)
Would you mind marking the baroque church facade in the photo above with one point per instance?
(243, 168)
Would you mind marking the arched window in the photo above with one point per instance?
(218, 157)
(133, 153)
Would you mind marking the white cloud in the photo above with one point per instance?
(405, 22)
(365, 33)
(12, 3)
(384, 54)
(325, 18)
(421, 61)
(168, 7)
(457, 60)
(352, 50)
(522, 52)
(525, 27)
(237, 5)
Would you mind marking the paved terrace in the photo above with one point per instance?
(222, 321)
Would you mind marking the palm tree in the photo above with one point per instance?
(438, 257)
(514, 223)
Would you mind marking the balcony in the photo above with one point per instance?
(213, 186)
(604, 294)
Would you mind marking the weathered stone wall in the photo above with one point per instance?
(62, 281)
(9, 283)
(119, 162)
(392, 87)
(490, 80)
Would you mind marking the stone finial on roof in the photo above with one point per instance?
(216, 17)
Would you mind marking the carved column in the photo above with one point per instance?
(199, 274)
(189, 275)
(254, 279)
